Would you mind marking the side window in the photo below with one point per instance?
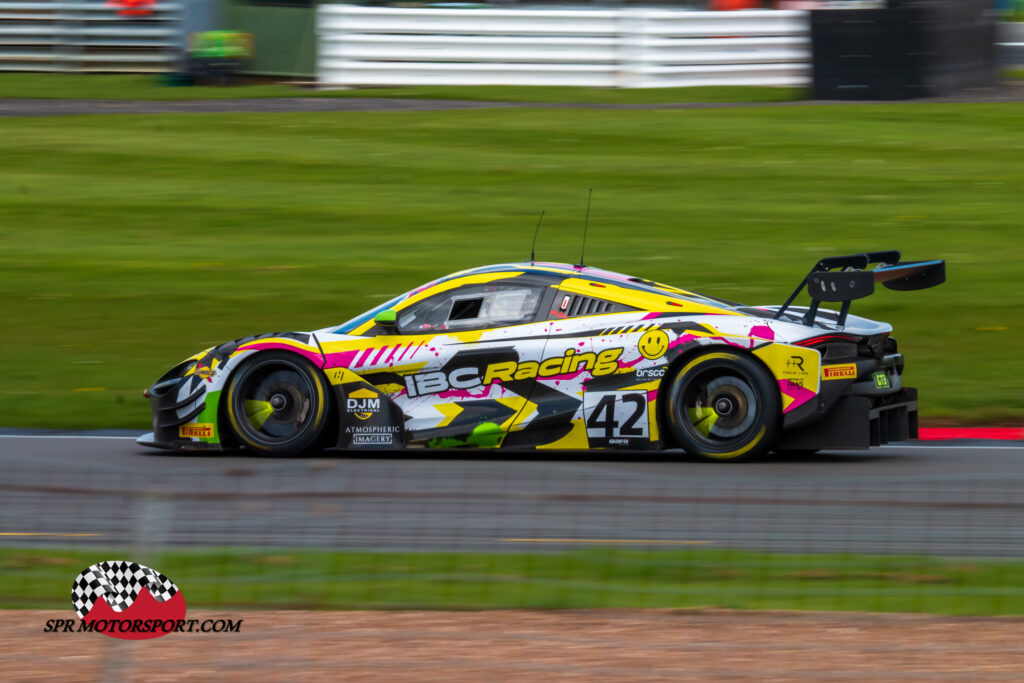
(472, 308)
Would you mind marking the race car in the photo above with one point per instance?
(542, 355)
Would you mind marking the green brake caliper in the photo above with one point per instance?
(257, 412)
(703, 419)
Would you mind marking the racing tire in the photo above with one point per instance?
(724, 406)
(278, 404)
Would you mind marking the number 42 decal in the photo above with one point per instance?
(615, 414)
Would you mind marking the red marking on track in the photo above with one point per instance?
(990, 433)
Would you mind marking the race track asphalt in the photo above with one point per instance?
(943, 500)
(1009, 91)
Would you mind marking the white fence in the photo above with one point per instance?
(1011, 43)
(87, 35)
(633, 48)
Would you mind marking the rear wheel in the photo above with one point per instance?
(277, 404)
(724, 406)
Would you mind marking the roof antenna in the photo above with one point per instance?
(585, 224)
(534, 243)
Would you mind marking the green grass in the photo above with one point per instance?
(553, 94)
(599, 577)
(127, 87)
(104, 87)
(1013, 74)
(130, 242)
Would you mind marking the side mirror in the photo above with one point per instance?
(386, 318)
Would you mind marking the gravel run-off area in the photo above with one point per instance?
(584, 645)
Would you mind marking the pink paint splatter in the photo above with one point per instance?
(363, 357)
(564, 377)
(340, 360)
(464, 393)
(683, 339)
(738, 345)
(799, 394)
(377, 357)
(631, 363)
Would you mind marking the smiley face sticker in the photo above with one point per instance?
(653, 344)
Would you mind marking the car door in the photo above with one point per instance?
(609, 405)
(478, 347)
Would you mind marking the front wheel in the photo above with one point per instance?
(277, 404)
(724, 406)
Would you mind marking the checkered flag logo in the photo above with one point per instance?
(119, 583)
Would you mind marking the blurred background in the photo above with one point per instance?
(179, 173)
(133, 241)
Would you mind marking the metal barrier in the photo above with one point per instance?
(88, 36)
(1011, 43)
(634, 48)
(386, 531)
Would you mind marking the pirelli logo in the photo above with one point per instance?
(846, 371)
(196, 429)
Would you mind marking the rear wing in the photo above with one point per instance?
(845, 278)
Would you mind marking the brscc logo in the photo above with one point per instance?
(127, 600)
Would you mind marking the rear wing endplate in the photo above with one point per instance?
(845, 278)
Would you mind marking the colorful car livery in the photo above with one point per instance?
(553, 356)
